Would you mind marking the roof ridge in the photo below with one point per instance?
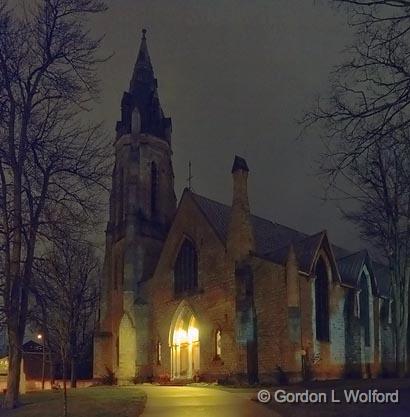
(294, 242)
(351, 254)
(321, 232)
(291, 228)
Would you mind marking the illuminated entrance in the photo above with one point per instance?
(184, 341)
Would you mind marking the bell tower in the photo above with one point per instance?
(142, 206)
(143, 174)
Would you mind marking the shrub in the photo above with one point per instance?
(109, 378)
(282, 377)
(164, 379)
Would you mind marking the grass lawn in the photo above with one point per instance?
(82, 402)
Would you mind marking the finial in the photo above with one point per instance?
(144, 31)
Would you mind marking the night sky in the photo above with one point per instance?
(235, 75)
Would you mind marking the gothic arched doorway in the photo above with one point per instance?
(184, 342)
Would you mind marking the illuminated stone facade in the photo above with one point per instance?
(209, 291)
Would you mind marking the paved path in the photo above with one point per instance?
(201, 402)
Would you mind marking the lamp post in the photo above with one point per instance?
(40, 337)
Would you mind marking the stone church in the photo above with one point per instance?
(198, 290)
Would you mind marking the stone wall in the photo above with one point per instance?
(213, 303)
(274, 347)
(135, 235)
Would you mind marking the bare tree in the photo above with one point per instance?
(372, 3)
(50, 160)
(365, 120)
(371, 90)
(378, 181)
(65, 286)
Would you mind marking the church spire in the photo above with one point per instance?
(141, 110)
(143, 71)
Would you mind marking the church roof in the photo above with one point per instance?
(305, 249)
(268, 235)
(272, 241)
(351, 267)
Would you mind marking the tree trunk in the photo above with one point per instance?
(14, 298)
(43, 366)
(73, 381)
(401, 323)
(65, 407)
(13, 377)
(51, 359)
(401, 356)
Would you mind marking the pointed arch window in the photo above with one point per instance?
(154, 187)
(159, 353)
(364, 308)
(218, 344)
(135, 121)
(322, 301)
(186, 268)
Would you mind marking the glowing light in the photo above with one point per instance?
(193, 334)
(39, 336)
(180, 336)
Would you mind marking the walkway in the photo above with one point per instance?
(188, 401)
